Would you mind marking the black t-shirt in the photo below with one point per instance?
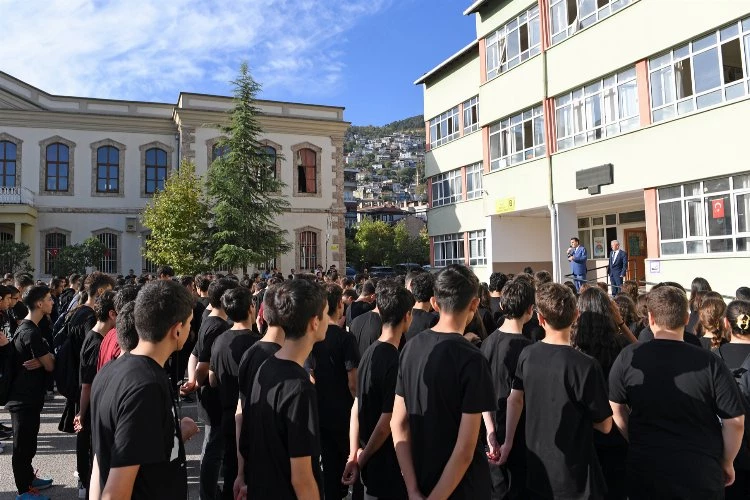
(226, 355)
(502, 350)
(283, 408)
(209, 408)
(376, 389)
(366, 330)
(733, 354)
(420, 321)
(675, 392)
(89, 357)
(532, 330)
(689, 337)
(82, 321)
(331, 360)
(133, 422)
(495, 306)
(357, 308)
(441, 376)
(565, 394)
(19, 312)
(28, 388)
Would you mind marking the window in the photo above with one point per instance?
(444, 128)
(471, 115)
(57, 167)
(53, 243)
(477, 255)
(108, 264)
(447, 188)
(448, 249)
(156, 170)
(147, 266)
(474, 181)
(219, 151)
(107, 169)
(7, 164)
(306, 171)
(596, 233)
(569, 16)
(517, 138)
(513, 43)
(270, 158)
(709, 216)
(702, 73)
(601, 109)
(308, 250)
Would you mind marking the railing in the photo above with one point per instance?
(16, 196)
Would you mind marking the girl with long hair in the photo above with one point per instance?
(711, 321)
(698, 287)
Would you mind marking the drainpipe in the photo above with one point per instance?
(177, 137)
(557, 272)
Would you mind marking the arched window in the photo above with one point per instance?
(219, 151)
(306, 171)
(156, 170)
(108, 264)
(8, 156)
(308, 250)
(107, 169)
(271, 157)
(57, 167)
(147, 266)
(53, 243)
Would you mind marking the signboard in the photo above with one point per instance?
(600, 245)
(654, 266)
(505, 205)
(593, 178)
(334, 247)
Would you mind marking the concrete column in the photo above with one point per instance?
(17, 237)
(565, 226)
(488, 246)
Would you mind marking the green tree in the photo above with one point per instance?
(374, 240)
(408, 248)
(177, 219)
(76, 258)
(244, 193)
(14, 257)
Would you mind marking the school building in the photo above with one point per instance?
(76, 167)
(601, 119)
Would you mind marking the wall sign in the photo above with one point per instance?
(594, 178)
(505, 205)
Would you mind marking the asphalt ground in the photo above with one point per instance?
(56, 454)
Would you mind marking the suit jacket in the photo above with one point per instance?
(618, 266)
(578, 264)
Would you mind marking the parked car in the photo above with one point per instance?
(382, 272)
(405, 267)
(350, 272)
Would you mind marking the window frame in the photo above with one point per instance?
(120, 165)
(57, 162)
(446, 120)
(496, 43)
(296, 149)
(471, 111)
(48, 259)
(440, 254)
(503, 129)
(598, 14)
(144, 172)
(307, 240)
(453, 179)
(478, 242)
(109, 263)
(6, 161)
(474, 183)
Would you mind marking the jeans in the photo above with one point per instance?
(25, 433)
(211, 457)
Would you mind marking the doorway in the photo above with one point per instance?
(636, 248)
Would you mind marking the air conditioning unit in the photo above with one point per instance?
(131, 224)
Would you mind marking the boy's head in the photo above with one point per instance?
(556, 304)
(237, 303)
(98, 283)
(368, 290)
(15, 295)
(497, 282)
(38, 298)
(667, 308)
(394, 303)
(4, 298)
(104, 309)
(202, 283)
(127, 335)
(270, 315)
(165, 272)
(423, 287)
(23, 281)
(456, 289)
(217, 289)
(542, 277)
(163, 307)
(350, 295)
(335, 294)
(517, 298)
(301, 306)
(126, 294)
(742, 293)
(56, 286)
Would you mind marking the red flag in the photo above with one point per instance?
(718, 208)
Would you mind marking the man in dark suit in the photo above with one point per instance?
(618, 266)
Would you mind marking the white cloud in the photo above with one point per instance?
(153, 49)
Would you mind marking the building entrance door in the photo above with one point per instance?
(635, 246)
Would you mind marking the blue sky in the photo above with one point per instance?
(361, 54)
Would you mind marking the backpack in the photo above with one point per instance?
(67, 341)
(7, 371)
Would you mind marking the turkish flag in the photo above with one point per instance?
(717, 207)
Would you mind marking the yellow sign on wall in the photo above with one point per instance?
(505, 205)
(334, 247)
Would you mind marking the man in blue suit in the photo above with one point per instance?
(618, 267)
(577, 258)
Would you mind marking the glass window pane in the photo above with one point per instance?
(674, 248)
(669, 193)
(743, 213)
(716, 185)
(695, 247)
(101, 172)
(683, 78)
(63, 184)
(694, 216)
(710, 99)
(611, 219)
(741, 181)
(719, 212)
(114, 155)
(101, 185)
(743, 244)
(62, 152)
(101, 155)
(720, 246)
(704, 42)
(707, 73)
(692, 189)
(670, 220)
(731, 59)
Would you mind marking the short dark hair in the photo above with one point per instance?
(455, 287)
(394, 302)
(126, 294)
(236, 303)
(55, 282)
(127, 334)
(34, 294)
(742, 293)
(187, 280)
(497, 282)
(557, 304)
(423, 287)
(97, 280)
(368, 287)
(23, 280)
(297, 301)
(574, 238)
(517, 297)
(668, 306)
(528, 270)
(347, 281)
(335, 294)
(349, 292)
(202, 282)
(165, 271)
(217, 289)
(542, 277)
(104, 304)
(74, 278)
(4, 290)
(270, 315)
(159, 305)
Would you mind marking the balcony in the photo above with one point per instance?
(17, 205)
(16, 196)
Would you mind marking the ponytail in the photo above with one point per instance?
(738, 317)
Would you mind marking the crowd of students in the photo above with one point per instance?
(428, 386)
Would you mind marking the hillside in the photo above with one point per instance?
(412, 124)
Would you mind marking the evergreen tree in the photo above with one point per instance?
(244, 193)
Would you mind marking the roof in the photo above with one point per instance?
(445, 63)
(474, 7)
(390, 209)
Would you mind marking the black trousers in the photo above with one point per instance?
(230, 455)
(25, 433)
(84, 460)
(334, 450)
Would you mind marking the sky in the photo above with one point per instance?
(360, 54)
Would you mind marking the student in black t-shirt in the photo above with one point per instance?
(283, 405)
(711, 321)
(502, 349)
(496, 285)
(565, 397)
(444, 384)
(422, 317)
(209, 406)
(647, 335)
(333, 363)
(679, 408)
(137, 436)
(371, 451)
(226, 354)
(365, 302)
(26, 397)
(104, 311)
(366, 329)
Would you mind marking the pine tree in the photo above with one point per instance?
(244, 193)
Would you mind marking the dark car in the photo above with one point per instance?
(382, 272)
(350, 272)
(405, 267)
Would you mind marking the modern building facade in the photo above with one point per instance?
(600, 119)
(73, 167)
